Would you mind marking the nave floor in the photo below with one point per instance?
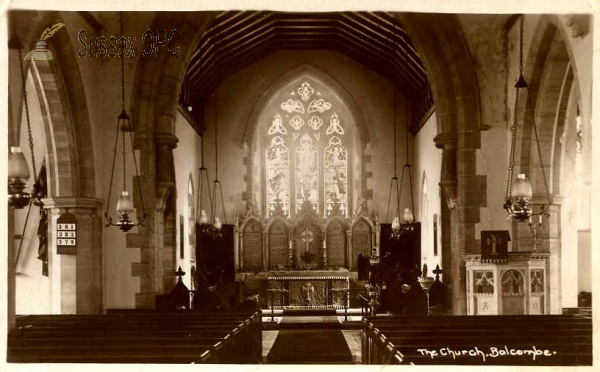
(352, 337)
(309, 337)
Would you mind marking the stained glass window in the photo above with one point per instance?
(278, 176)
(307, 178)
(336, 176)
(306, 157)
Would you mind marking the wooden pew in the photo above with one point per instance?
(152, 337)
(437, 340)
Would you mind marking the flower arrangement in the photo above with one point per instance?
(307, 257)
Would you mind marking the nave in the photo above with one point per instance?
(359, 160)
(300, 337)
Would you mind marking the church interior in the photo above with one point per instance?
(188, 187)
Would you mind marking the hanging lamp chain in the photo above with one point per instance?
(122, 55)
(112, 174)
(217, 190)
(202, 177)
(395, 178)
(122, 127)
(407, 166)
(29, 133)
(542, 167)
(520, 83)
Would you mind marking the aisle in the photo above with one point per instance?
(314, 346)
(306, 339)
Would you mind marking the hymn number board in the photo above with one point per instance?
(66, 234)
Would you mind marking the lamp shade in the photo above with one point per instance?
(218, 223)
(17, 165)
(521, 189)
(124, 205)
(395, 224)
(203, 217)
(408, 215)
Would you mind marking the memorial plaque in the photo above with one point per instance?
(252, 237)
(278, 244)
(336, 243)
(361, 240)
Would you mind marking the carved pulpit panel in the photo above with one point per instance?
(361, 240)
(483, 288)
(278, 244)
(513, 300)
(336, 243)
(252, 236)
(537, 298)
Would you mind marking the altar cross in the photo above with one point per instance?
(307, 237)
(437, 272)
(179, 273)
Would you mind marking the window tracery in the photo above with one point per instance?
(306, 161)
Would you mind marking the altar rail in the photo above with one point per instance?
(138, 337)
(544, 340)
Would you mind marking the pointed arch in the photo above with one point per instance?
(296, 75)
(307, 125)
(62, 97)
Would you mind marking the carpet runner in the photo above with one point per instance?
(310, 337)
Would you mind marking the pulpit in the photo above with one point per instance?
(310, 288)
(513, 285)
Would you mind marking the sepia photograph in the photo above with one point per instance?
(263, 185)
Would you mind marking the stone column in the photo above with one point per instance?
(465, 193)
(164, 211)
(76, 279)
(451, 251)
(236, 245)
(11, 305)
(447, 142)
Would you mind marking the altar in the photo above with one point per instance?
(309, 288)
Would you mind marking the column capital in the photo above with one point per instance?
(166, 139)
(72, 202)
(448, 139)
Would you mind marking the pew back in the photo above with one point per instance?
(138, 337)
(478, 340)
